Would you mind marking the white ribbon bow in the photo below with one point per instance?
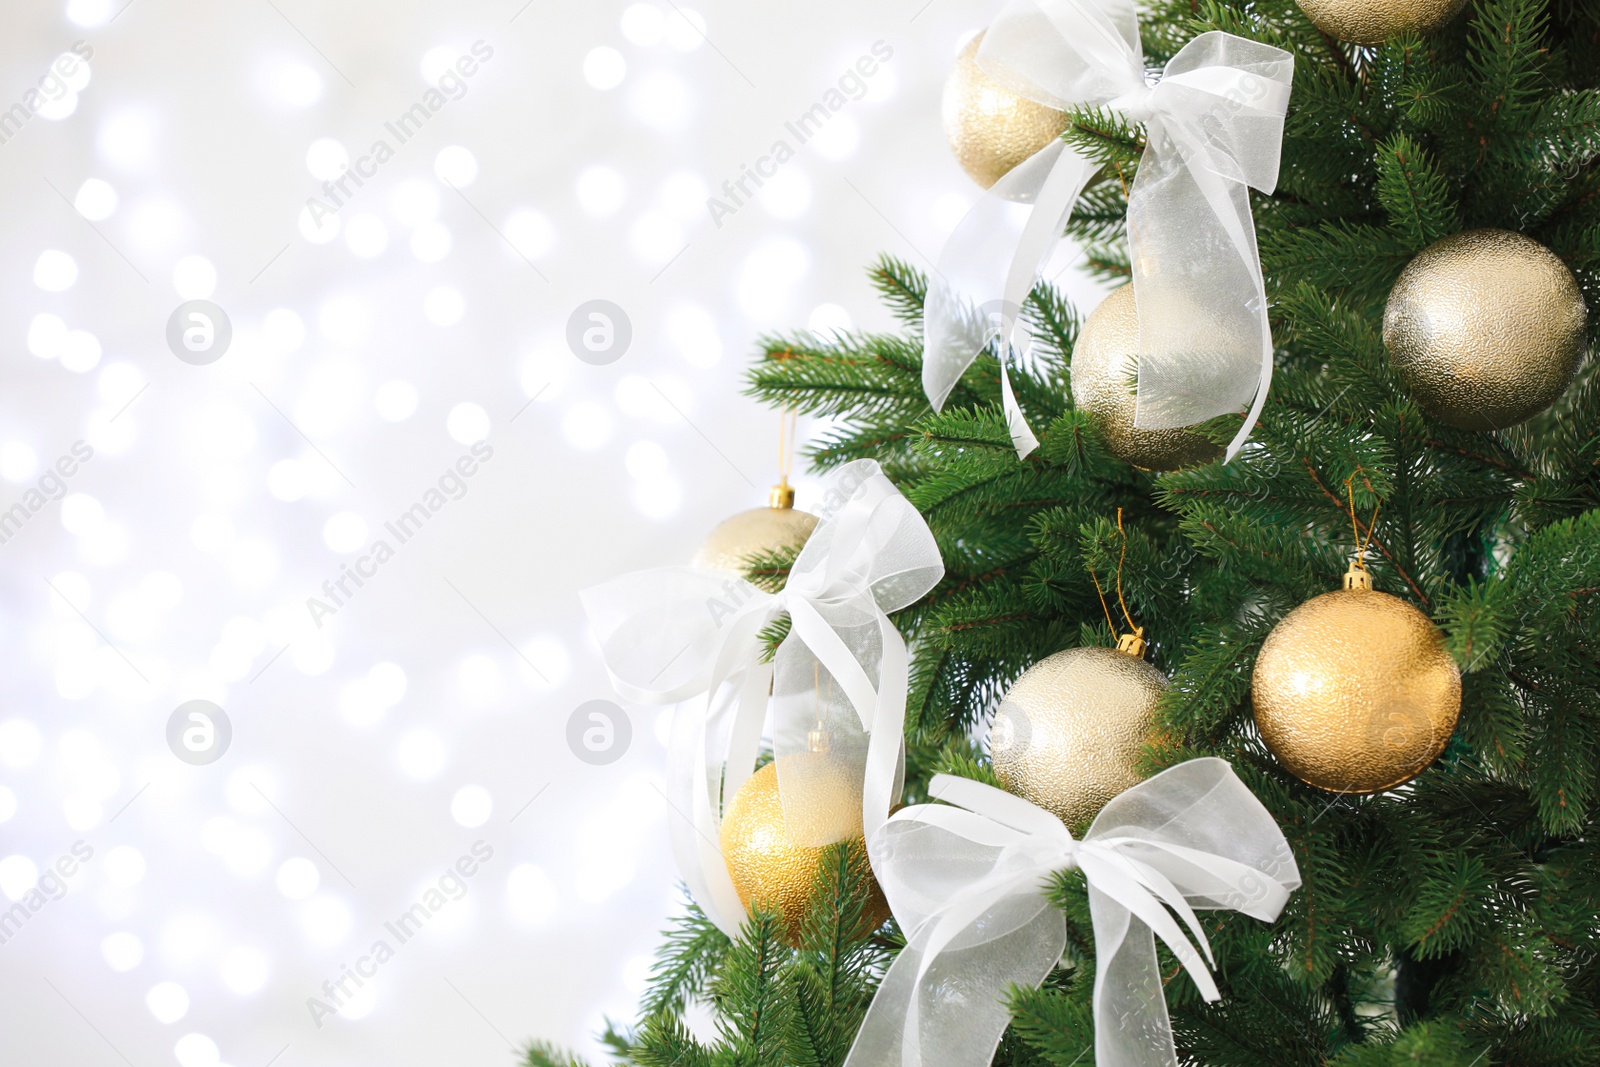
(678, 633)
(1215, 126)
(969, 888)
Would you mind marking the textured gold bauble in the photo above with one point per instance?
(1068, 734)
(992, 129)
(770, 870)
(1375, 21)
(1485, 328)
(1105, 369)
(1354, 691)
(755, 532)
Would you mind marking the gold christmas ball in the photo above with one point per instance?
(1485, 328)
(754, 532)
(991, 128)
(1375, 21)
(767, 868)
(1354, 691)
(1105, 371)
(1068, 733)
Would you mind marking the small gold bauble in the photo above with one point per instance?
(1069, 732)
(1485, 328)
(769, 869)
(1376, 21)
(991, 128)
(756, 532)
(1105, 370)
(1354, 691)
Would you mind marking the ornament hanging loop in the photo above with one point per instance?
(1132, 642)
(782, 494)
(1357, 577)
(818, 738)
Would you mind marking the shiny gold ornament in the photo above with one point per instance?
(760, 530)
(1485, 328)
(1376, 21)
(1105, 370)
(767, 868)
(990, 128)
(1068, 734)
(1354, 691)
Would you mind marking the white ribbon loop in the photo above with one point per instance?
(1215, 128)
(680, 634)
(969, 886)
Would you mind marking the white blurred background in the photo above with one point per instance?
(372, 348)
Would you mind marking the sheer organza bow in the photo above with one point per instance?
(1214, 123)
(969, 882)
(837, 682)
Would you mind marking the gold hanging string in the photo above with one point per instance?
(817, 739)
(1137, 631)
(1361, 542)
(1103, 606)
(787, 421)
(1120, 560)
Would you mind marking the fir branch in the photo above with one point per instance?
(693, 950)
(544, 1054)
(1415, 193)
(664, 1041)
(1108, 139)
(903, 287)
(754, 1010)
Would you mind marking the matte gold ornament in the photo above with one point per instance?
(760, 530)
(1376, 21)
(767, 868)
(1105, 370)
(1069, 732)
(990, 128)
(1354, 691)
(1485, 328)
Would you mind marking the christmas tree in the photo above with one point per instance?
(1454, 920)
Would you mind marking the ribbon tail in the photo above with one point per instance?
(948, 1009)
(721, 904)
(744, 739)
(1052, 204)
(881, 787)
(717, 777)
(1202, 310)
(987, 266)
(1039, 237)
(1256, 405)
(682, 784)
(1131, 1024)
(1022, 438)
